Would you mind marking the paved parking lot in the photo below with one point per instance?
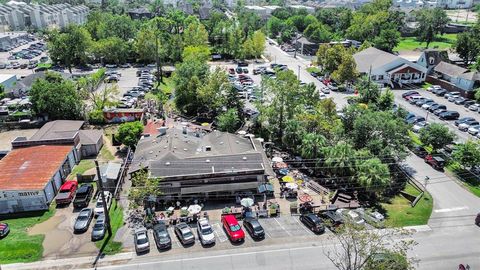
(462, 136)
(277, 230)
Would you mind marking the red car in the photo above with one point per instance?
(231, 71)
(435, 161)
(233, 229)
(66, 193)
(4, 229)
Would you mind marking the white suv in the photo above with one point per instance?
(205, 232)
(99, 205)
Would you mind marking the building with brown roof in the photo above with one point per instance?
(31, 176)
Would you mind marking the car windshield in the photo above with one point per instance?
(82, 217)
(98, 226)
(99, 204)
(187, 234)
(207, 230)
(142, 241)
(235, 228)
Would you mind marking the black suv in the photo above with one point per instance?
(84, 195)
(253, 227)
(449, 115)
(313, 222)
(162, 238)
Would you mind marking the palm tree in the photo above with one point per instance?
(340, 159)
(373, 175)
(311, 145)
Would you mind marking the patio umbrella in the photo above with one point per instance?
(288, 179)
(291, 185)
(194, 209)
(283, 171)
(277, 159)
(242, 132)
(305, 198)
(247, 202)
(205, 124)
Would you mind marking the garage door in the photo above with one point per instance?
(49, 192)
(58, 181)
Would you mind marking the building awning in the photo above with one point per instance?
(219, 188)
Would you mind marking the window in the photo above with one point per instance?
(374, 77)
(380, 77)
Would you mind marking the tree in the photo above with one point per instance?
(386, 100)
(95, 117)
(467, 47)
(311, 145)
(467, 154)
(293, 135)
(143, 186)
(436, 135)
(430, 23)
(369, 93)
(129, 133)
(359, 248)
(340, 159)
(2, 92)
(387, 39)
(258, 43)
(70, 47)
(195, 35)
(228, 121)
(373, 175)
(104, 98)
(347, 70)
(196, 53)
(318, 32)
(55, 97)
(112, 50)
(247, 49)
(211, 94)
(274, 26)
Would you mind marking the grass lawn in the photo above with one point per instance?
(469, 180)
(18, 246)
(411, 43)
(105, 154)
(116, 219)
(314, 69)
(167, 86)
(44, 65)
(426, 85)
(82, 167)
(400, 213)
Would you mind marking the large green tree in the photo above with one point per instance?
(436, 135)
(56, 98)
(69, 47)
(228, 121)
(431, 22)
(467, 46)
(373, 175)
(129, 133)
(112, 50)
(467, 154)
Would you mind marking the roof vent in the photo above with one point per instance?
(244, 158)
(185, 149)
(221, 143)
(207, 161)
(208, 148)
(167, 163)
(237, 142)
(151, 152)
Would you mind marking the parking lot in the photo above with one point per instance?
(464, 112)
(277, 230)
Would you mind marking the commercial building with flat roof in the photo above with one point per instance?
(31, 176)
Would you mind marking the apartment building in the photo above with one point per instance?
(18, 16)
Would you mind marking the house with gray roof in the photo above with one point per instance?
(65, 132)
(460, 77)
(194, 163)
(388, 69)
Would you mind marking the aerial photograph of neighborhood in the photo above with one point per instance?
(240, 134)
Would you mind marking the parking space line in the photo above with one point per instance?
(218, 230)
(266, 232)
(174, 238)
(301, 225)
(281, 226)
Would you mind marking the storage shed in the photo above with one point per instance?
(31, 176)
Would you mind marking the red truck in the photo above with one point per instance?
(66, 193)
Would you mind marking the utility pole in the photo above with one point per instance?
(298, 73)
(105, 208)
(296, 42)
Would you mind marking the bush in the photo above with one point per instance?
(95, 117)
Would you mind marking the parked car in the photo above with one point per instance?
(420, 151)
(449, 115)
(439, 111)
(232, 228)
(468, 102)
(418, 126)
(427, 105)
(460, 100)
(205, 232)
(415, 120)
(112, 78)
(409, 115)
(474, 107)
(141, 240)
(126, 65)
(161, 236)
(184, 233)
(409, 93)
(83, 196)
(435, 161)
(325, 90)
(465, 125)
(254, 228)
(420, 102)
(333, 86)
(435, 107)
(4, 229)
(352, 216)
(83, 220)
(440, 92)
(452, 98)
(99, 205)
(111, 66)
(239, 70)
(332, 220)
(313, 222)
(463, 120)
(66, 193)
(99, 228)
(473, 129)
(451, 94)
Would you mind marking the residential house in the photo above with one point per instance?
(455, 78)
(23, 86)
(388, 69)
(140, 13)
(431, 58)
(193, 163)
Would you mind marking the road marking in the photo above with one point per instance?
(303, 226)
(219, 232)
(281, 226)
(453, 209)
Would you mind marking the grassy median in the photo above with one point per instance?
(18, 245)
(116, 219)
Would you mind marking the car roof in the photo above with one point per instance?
(68, 184)
(160, 227)
(85, 210)
(84, 188)
(230, 219)
(254, 222)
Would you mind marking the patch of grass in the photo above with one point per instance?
(426, 85)
(314, 69)
(18, 246)
(105, 154)
(44, 65)
(116, 220)
(400, 213)
(468, 179)
(167, 86)
(445, 41)
(81, 167)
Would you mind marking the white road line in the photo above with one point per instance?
(281, 226)
(219, 232)
(453, 209)
(303, 226)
